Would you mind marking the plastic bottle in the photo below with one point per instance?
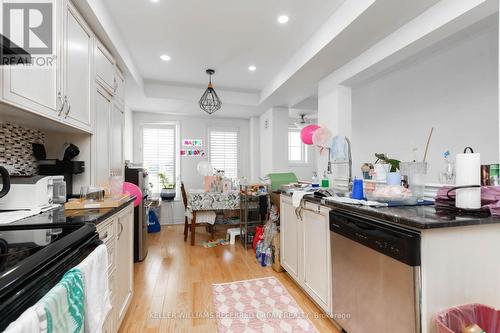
(314, 180)
(325, 182)
(258, 250)
(269, 257)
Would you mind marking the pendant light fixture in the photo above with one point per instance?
(209, 101)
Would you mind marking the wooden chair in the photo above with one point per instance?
(194, 225)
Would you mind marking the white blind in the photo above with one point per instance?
(223, 151)
(159, 154)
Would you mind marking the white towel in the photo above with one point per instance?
(97, 294)
(26, 323)
(297, 197)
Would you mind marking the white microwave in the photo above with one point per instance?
(28, 193)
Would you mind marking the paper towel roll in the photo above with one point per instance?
(468, 172)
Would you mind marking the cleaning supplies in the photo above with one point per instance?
(325, 182)
(314, 180)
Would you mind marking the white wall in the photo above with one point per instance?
(454, 89)
(194, 128)
(274, 141)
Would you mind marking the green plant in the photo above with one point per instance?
(394, 163)
(164, 181)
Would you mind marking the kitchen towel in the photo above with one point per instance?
(297, 197)
(94, 269)
(468, 172)
(26, 323)
(62, 309)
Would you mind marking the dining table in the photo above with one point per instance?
(201, 201)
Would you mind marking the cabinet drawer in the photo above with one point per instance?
(106, 231)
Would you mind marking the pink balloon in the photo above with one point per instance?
(132, 189)
(307, 132)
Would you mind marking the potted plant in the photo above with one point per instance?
(167, 188)
(393, 176)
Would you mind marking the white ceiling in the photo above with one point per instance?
(227, 35)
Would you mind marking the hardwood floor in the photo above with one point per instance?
(176, 279)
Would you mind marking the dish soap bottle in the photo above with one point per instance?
(325, 182)
(315, 182)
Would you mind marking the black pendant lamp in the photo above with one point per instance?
(209, 101)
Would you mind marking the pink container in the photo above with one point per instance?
(454, 320)
(132, 189)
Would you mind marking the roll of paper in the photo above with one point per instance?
(468, 172)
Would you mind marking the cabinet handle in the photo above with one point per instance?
(69, 107)
(61, 102)
(103, 237)
(121, 229)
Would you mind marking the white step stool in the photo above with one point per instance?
(232, 233)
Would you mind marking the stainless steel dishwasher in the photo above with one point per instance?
(376, 275)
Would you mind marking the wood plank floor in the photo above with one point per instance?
(176, 279)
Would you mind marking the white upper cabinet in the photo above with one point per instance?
(119, 86)
(116, 140)
(77, 73)
(33, 87)
(105, 68)
(101, 137)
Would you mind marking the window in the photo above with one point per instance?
(159, 154)
(223, 150)
(297, 150)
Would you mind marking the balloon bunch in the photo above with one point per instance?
(316, 135)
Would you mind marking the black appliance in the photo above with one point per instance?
(64, 168)
(33, 258)
(139, 177)
(5, 181)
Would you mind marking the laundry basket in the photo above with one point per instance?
(455, 319)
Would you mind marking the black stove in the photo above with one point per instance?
(34, 255)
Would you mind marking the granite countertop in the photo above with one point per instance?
(62, 216)
(417, 217)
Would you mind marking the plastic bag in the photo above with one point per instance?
(455, 319)
(269, 232)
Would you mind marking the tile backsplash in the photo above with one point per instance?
(15, 147)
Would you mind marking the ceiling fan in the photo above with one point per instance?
(304, 121)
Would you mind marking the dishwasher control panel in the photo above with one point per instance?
(399, 244)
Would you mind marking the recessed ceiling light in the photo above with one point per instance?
(165, 57)
(252, 68)
(155, 0)
(282, 19)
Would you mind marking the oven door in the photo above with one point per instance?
(372, 292)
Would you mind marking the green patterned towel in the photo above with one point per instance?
(62, 309)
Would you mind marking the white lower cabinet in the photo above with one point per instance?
(305, 249)
(117, 234)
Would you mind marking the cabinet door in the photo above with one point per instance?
(101, 137)
(78, 45)
(289, 233)
(124, 264)
(105, 68)
(116, 140)
(34, 87)
(317, 271)
(119, 86)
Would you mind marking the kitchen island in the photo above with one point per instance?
(447, 261)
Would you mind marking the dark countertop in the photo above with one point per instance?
(417, 217)
(80, 216)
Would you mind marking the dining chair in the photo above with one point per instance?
(192, 228)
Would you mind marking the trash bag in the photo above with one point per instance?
(455, 319)
(154, 223)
